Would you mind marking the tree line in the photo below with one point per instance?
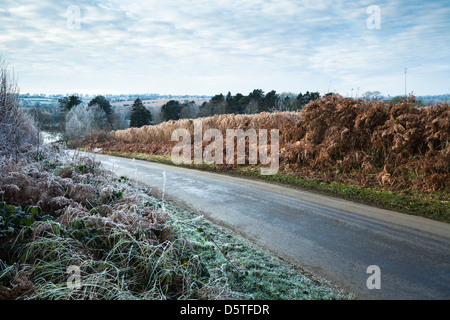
(76, 119)
(255, 102)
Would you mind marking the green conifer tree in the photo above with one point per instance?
(140, 115)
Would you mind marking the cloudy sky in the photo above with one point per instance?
(207, 47)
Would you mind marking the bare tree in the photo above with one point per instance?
(16, 126)
(83, 120)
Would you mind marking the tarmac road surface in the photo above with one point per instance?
(328, 237)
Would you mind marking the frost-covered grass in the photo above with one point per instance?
(245, 271)
(125, 243)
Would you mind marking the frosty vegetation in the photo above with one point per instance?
(82, 120)
(59, 211)
(16, 126)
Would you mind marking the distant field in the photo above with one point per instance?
(158, 102)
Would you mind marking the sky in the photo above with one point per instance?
(206, 47)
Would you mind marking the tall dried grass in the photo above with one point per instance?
(162, 132)
(335, 138)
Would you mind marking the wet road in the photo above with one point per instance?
(332, 238)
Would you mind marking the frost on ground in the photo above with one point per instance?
(60, 211)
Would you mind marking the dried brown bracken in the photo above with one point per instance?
(397, 147)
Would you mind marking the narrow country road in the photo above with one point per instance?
(332, 238)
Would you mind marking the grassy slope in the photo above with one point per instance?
(434, 205)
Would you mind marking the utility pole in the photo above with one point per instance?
(405, 82)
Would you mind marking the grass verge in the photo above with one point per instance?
(239, 270)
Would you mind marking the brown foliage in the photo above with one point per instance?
(17, 288)
(335, 139)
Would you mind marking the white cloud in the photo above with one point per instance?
(212, 46)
